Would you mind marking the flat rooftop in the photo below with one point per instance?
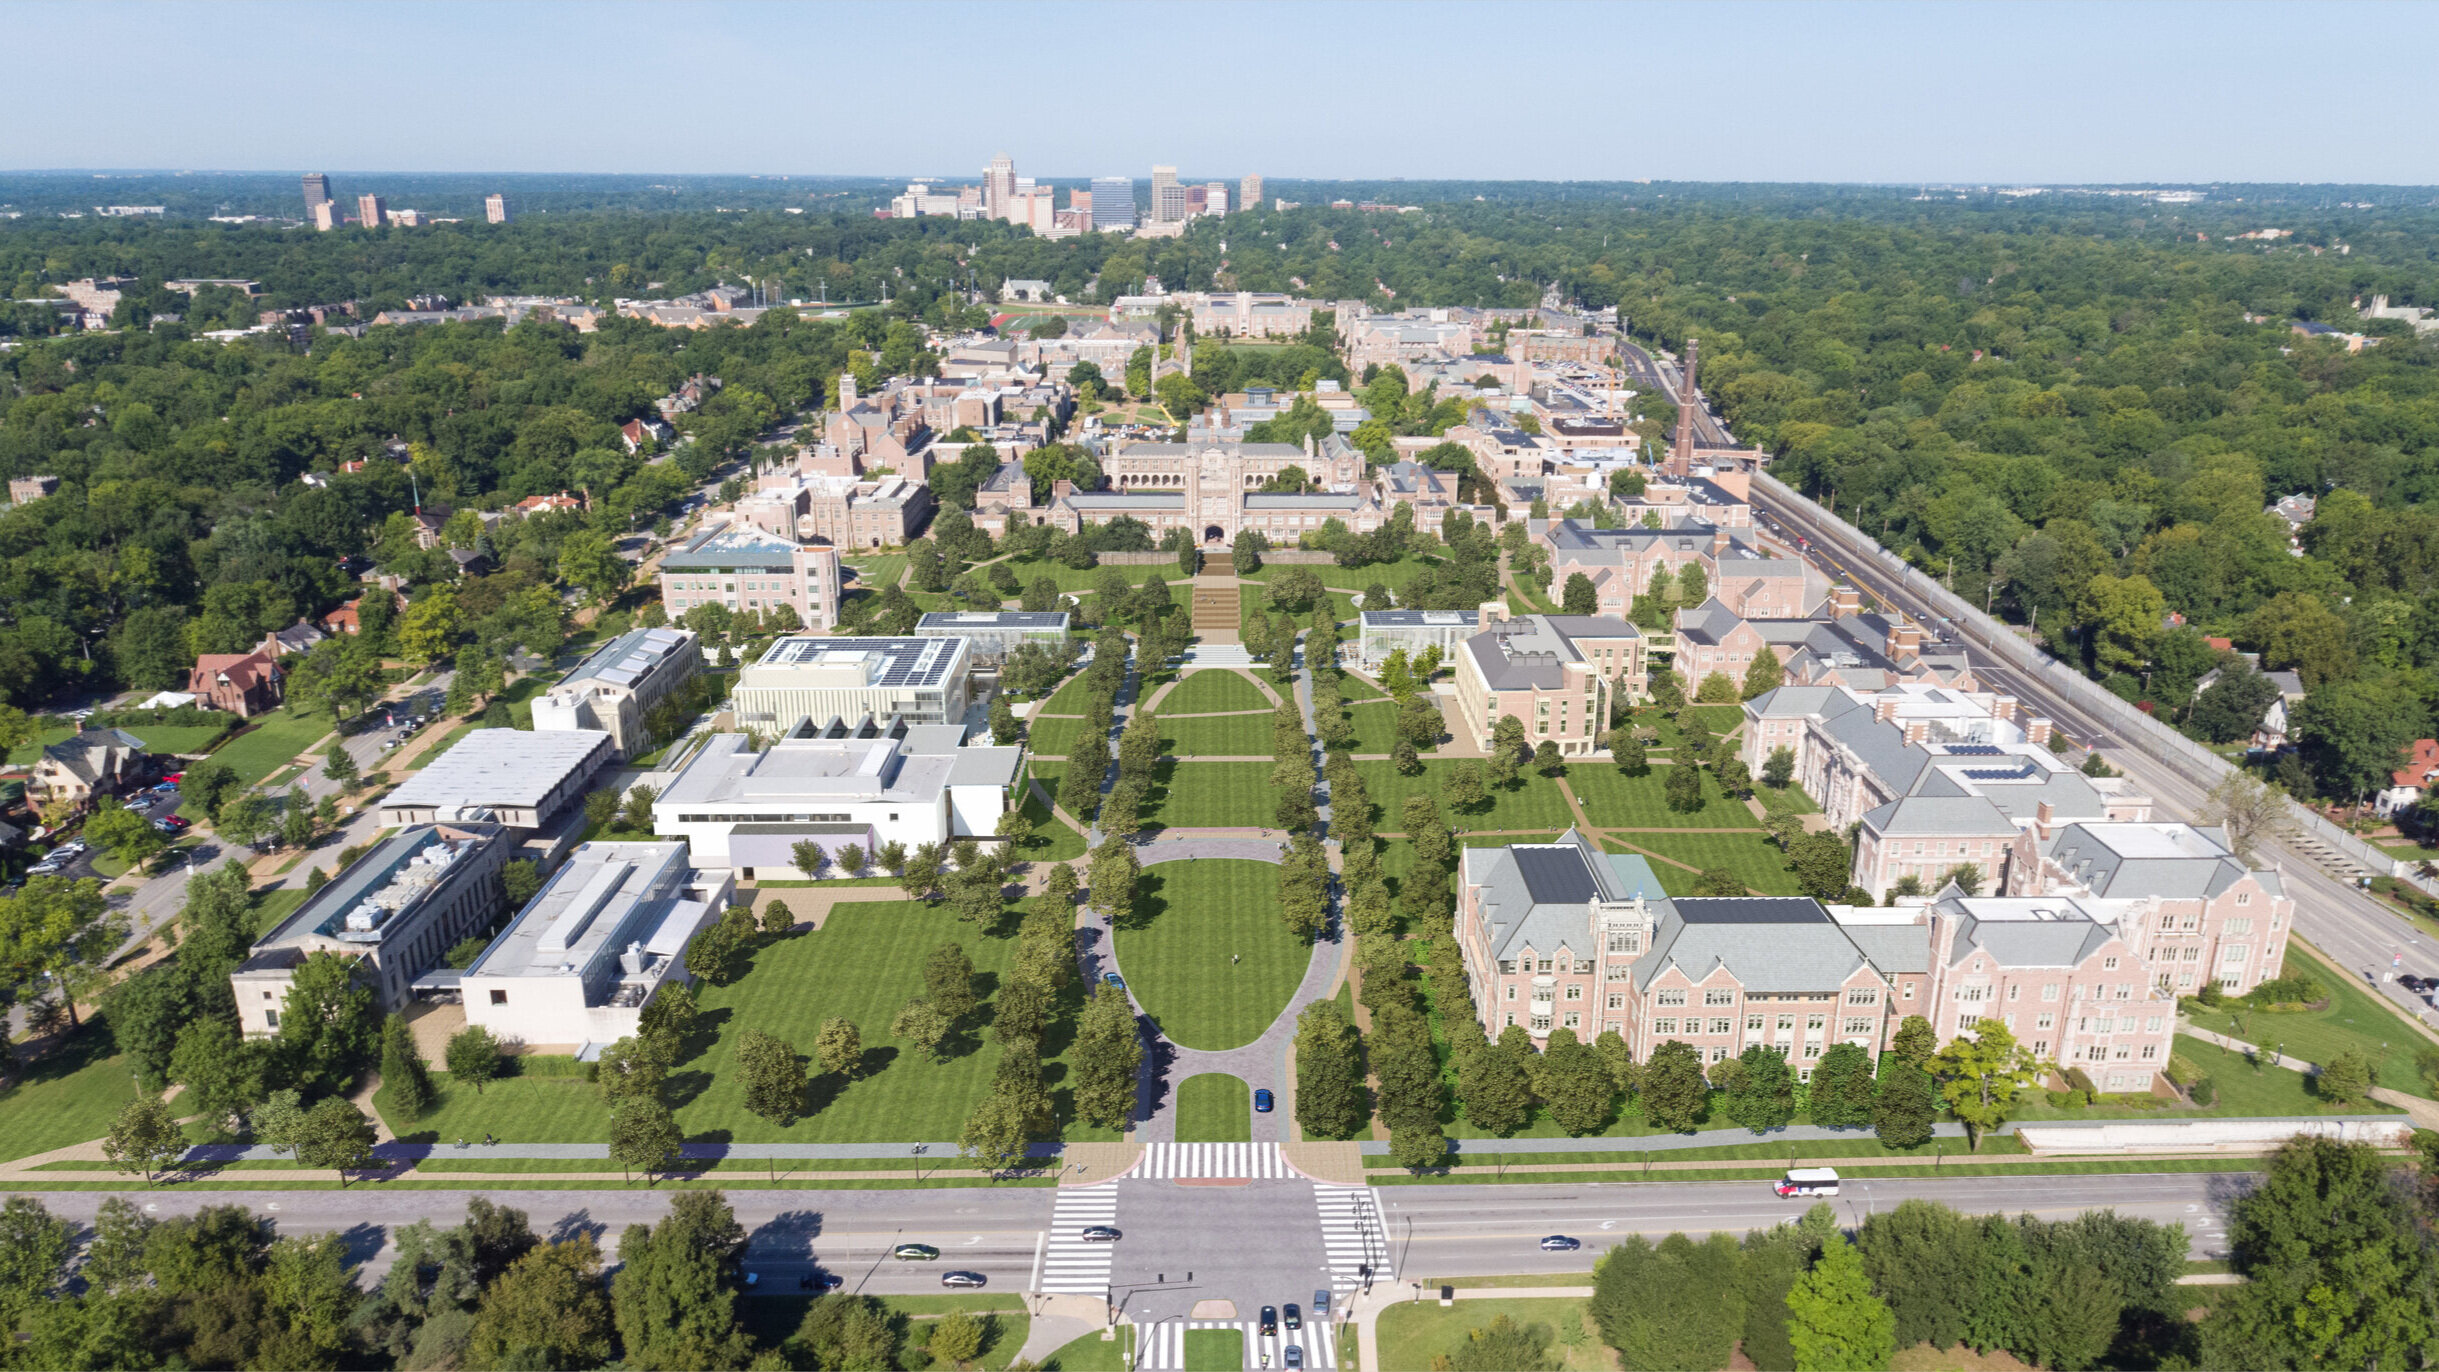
(737, 546)
(606, 897)
(631, 656)
(949, 621)
(1419, 619)
(880, 661)
(364, 902)
(498, 767)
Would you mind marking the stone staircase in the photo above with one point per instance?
(1218, 655)
(1216, 613)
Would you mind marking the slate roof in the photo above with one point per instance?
(2025, 931)
(1769, 944)
(2175, 861)
(1938, 816)
(1540, 895)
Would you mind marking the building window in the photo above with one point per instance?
(2151, 1052)
(1858, 1026)
(2050, 992)
(2244, 897)
(2108, 964)
(2239, 926)
(1574, 1020)
(1545, 964)
(1660, 1026)
(1625, 941)
(271, 1017)
(1541, 1024)
(1617, 1002)
(1786, 1024)
(1511, 993)
(1815, 1023)
(1753, 1024)
(1575, 993)
(2232, 955)
(1812, 1050)
(2046, 1021)
(1672, 998)
(1863, 997)
(2013, 989)
(1909, 990)
(1719, 997)
(498, 996)
(1617, 973)
(1508, 966)
(1723, 1026)
(1511, 1021)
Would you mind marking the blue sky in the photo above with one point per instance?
(1718, 92)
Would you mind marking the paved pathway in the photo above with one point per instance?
(2424, 1113)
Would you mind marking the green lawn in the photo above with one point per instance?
(774, 1319)
(1749, 856)
(1190, 919)
(1214, 691)
(1390, 574)
(1413, 1334)
(1053, 738)
(1376, 728)
(69, 1096)
(875, 573)
(1352, 688)
(1089, 1353)
(863, 964)
(1052, 841)
(1214, 1107)
(1211, 795)
(1614, 800)
(1791, 801)
(1216, 736)
(2354, 1021)
(1534, 804)
(158, 738)
(1215, 1350)
(274, 740)
(1068, 699)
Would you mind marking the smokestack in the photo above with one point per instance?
(1682, 461)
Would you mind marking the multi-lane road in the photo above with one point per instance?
(1256, 1243)
(2364, 938)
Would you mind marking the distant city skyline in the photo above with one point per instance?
(1891, 93)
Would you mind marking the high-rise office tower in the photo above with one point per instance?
(998, 187)
(1215, 198)
(1168, 198)
(317, 190)
(371, 211)
(1250, 193)
(1113, 202)
(495, 208)
(325, 216)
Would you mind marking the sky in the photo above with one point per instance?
(1901, 92)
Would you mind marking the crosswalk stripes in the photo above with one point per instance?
(1164, 1343)
(1351, 1235)
(1170, 1161)
(1069, 1264)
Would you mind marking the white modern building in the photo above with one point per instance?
(582, 959)
(1385, 631)
(865, 784)
(513, 777)
(618, 685)
(995, 633)
(397, 911)
(919, 680)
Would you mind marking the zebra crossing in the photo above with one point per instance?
(1351, 1236)
(1069, 1264)
(1164, 1343)
(1170, 1161)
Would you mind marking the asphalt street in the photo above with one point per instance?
(1261, 1243)
(2363, 937)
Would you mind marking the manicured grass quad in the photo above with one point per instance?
(1175, 949)
(863, 964)
(1214, 691)
(1216, 735)
(1535, 804)
(1214, 1107)
(1754, 859)
(1211, 795)
(1614, 800)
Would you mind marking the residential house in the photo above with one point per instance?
(2408, 783)
(244, 684)
(90, 764)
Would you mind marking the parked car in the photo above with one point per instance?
(1560, 1243)
(174, 778)
(1113, 979)
(914, 1252)
(1293, 1355)
(1261, 1101)
(964, 1279)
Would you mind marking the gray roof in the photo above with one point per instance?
(2038, 931)
(1708, 624)
(631, 656)
(2175, 861)
(950, 621)
(889, 661)
(1768, 943)
(1540, 895)
(1939, 816)
(498, 767)
(1417, 619)
(742, 546)
(1323, 501)
(1123, 501)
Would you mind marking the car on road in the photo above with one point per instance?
(1113, 979)
(1808, 1181)
(1560, 1243)
(1294, 1314)
(1100, 1233)
(964, 1279)
(1261, 1101)
(165, 788)
(1321, 1303)
(1293, 1355)
(2414, 983)
(914, 1252)
(1270, 1320)
(174, 778)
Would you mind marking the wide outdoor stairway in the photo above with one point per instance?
(1216, 613)
(1218, 655)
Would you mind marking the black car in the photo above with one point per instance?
(1099, 1233)
(1295, 1316)
(1270, 1320)
(1560, 1243)
(964, 1279)
(2413, 983)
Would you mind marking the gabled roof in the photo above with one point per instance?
(1540, 895)
(1939, 817)
(1767, 943)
